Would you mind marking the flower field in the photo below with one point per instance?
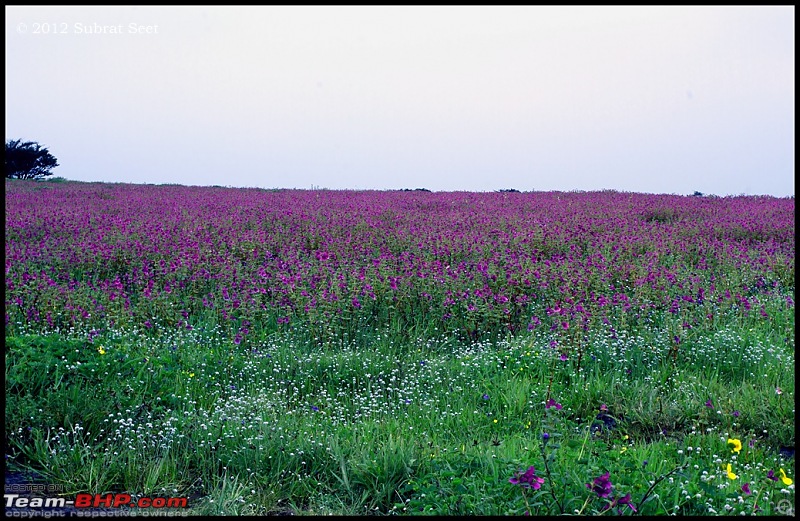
(403, 352)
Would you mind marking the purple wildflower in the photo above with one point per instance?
(552, 403)
(601, 486)
(625, 500)
(709, 404)
(746, 489)
(771, 475)
(527, 479)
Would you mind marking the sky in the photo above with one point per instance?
(654, 99)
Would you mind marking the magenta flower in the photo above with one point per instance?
(746, 489)
(601, 486)
(552, 403)
(625, 500)
(709, 404)
(527, 479)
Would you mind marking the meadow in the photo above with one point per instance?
(403, 352)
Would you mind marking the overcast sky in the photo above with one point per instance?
(638, 99)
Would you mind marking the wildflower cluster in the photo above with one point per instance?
(527, 479)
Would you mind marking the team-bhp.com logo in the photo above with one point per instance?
(86, 502)
(125, 500)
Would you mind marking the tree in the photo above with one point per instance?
(28, 160)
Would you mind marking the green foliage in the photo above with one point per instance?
(377, 426)
(28, 160)
(458, 486)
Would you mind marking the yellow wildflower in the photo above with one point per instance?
(737, 444)
(786, 480)
(101, 350)
(731, 475)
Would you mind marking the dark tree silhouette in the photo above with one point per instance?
(28, 160)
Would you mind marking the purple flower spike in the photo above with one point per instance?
(601, 486)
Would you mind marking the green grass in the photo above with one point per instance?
(287, 423)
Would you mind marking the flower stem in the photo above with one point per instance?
(550, 482)
(584, 504)
(657, 481)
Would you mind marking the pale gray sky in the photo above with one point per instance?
(640, 99)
